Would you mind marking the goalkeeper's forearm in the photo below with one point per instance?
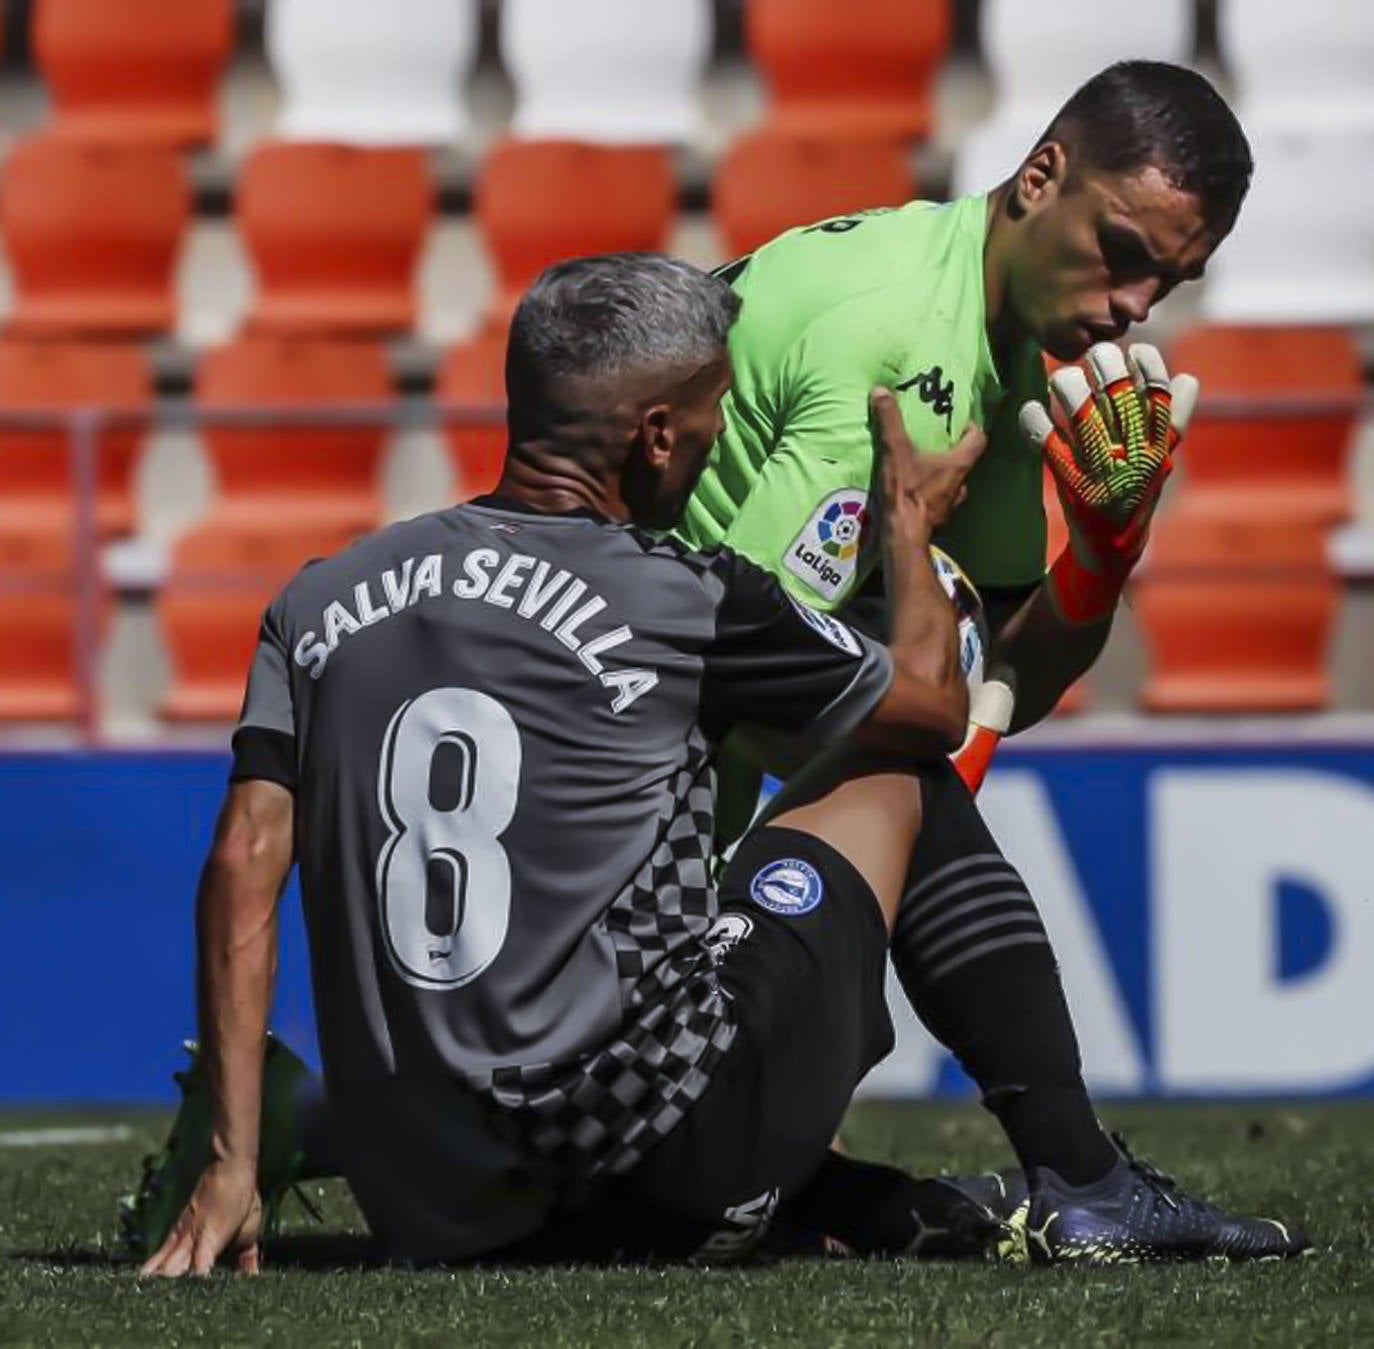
(1040, 654)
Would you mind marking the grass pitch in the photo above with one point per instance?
(60, 1282)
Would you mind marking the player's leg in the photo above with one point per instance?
(976, 962)
(977, 965)
(801, 949)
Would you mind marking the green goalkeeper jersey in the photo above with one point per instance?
(885, 297)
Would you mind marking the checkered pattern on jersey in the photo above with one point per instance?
(603, 1112)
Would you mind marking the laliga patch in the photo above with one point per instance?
(830, 628)
(726, 933)
(788, 886)
(826, 552)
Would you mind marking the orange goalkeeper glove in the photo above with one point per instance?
(1109, 466)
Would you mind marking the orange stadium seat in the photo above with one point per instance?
(38, 634)
(1237, 615)
(1290, 467)
(286, 479)
(473, 374)
(539, 201)
(140, 71)
(35, 463)
(867, 67)
(334, 232)
(92, 233)
(210, 606)
(768, 181)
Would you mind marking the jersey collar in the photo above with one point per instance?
(499, 501)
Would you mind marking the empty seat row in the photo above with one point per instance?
(1271, 440)
(334, 233)
(1245, 525)
(272, 476)
(608, 71)
(622, 71)
(1235, 615)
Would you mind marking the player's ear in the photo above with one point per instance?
(657, 435)
(1040, 177)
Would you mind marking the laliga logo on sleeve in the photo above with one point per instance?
(788, 886)
(826, 552)
(842, 528)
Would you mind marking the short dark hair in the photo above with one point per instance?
(615, 313)
(1136, 113)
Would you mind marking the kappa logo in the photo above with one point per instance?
(825, 554)
(932, 387)
(787, 886)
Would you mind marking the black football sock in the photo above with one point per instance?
(976, 963)
(873, 1209)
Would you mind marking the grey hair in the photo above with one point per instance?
(613, 313)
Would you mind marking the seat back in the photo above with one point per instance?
(607, 71)
(1279, 466)
(1039, 54)
(769, 181)
(539, 201)
(1309, 69)
(39, 678)
(36, 464)
(356, 72)
(1236, 614)
(334, 233)
(1303, 248)
(867, 67)
(140, 71)
(473, 374)
(290, 476)
(210, 607)
(92, 233)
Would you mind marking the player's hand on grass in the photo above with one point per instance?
(920, 488)
(223, 1219)
(1114, 451)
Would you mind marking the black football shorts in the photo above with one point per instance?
(801, 949)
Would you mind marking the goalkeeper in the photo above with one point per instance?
(953, 307)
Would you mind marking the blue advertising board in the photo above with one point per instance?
(1212, 910)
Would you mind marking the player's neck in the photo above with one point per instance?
(553, 484)
(997, 316)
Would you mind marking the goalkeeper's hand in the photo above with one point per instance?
(1109, 466)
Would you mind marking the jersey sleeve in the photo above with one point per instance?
(776, 663)
(265, 739)
(809, 517)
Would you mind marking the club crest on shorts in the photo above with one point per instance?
(826, 552)
(725, 934)
(787, 886)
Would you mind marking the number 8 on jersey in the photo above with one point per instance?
(448, 785)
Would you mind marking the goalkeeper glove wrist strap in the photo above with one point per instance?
(1081, 595)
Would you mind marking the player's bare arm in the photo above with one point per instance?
(926, 707)
(236, 927)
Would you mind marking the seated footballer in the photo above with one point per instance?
(487, 737)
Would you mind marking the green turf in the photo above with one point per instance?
(59, 1284)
